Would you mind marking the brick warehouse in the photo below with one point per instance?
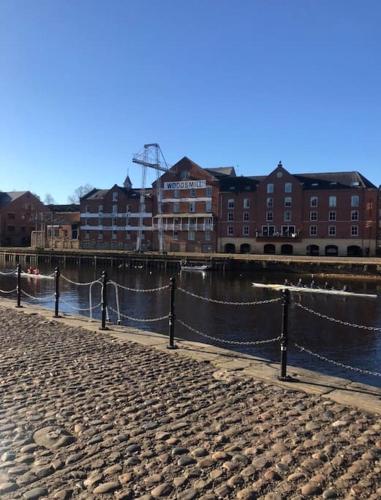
(212, 209)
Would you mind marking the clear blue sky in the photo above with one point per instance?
(85, 83)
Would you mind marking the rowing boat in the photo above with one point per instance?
(40, 276)
(195, 268)
(302, 289)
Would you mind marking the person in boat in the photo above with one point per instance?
(33, 270)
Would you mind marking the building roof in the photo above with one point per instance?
(99, 194)
(221, 171)
(9, 196)
(334, 180)
(241, 183)
(71, 207)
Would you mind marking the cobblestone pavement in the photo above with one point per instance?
(86, 416)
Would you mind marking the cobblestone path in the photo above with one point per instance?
(84, 416)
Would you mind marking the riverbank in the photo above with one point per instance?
(301, 264)
(86, 414)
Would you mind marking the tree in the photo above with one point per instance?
(49, 200)
(79, 192)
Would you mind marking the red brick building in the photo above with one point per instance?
(21, 212)
(116, 218)
(62, 229)
(305, 214)
(188, 211)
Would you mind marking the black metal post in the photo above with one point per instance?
(104, 300)
(18, 287)
(172, 317)
(57, 292)
(284, 336)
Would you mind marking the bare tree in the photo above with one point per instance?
(49, 200)
(79, 192)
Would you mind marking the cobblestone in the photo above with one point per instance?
(84, 415)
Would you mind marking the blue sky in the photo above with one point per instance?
(85, 83)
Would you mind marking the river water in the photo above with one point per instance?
(351, 346)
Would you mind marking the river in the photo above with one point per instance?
(343, 344)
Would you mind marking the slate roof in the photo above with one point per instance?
(240, 183)
(221, 171)
(334, 180)
(9, 196)
(71, 207)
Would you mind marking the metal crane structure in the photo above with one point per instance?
(151, 157)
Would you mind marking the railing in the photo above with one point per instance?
(106, 284)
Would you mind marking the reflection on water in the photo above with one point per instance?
(355, 347)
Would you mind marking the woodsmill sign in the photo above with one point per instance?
(185, 185)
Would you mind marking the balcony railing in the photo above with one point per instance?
(279, 236)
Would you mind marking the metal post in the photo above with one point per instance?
(57, 292)
(172, 317)
(284, 337)
(104, 300)
(18, 287)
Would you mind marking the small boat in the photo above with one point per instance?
(189, 267)
(40, 276)
(293, 288)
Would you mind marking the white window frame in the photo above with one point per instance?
(287, 216)
(270, 202)
(115, 196)
(270, 188)
(208, 191)
(332, 201)
(246, 203)
(269, 216)
(230, 216)
(176, 207)
(246, 216)
(331, 230)
(314, 201)
(313, 215)
(287, 201)
(355, 230)
(245, 230)
(208, 206)
(355, 215)
(355, 201)
(313, 230)
(288, 187)
(230, 231)
(332, 216)
(231, 204)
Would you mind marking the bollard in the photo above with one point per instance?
(172, 317)
(284, 337)
(57, 292)
(104, 301)
(18, 287)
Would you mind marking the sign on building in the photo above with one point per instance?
(185, 185)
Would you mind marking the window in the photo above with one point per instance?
(269, 216)
(176, 207)
(245, 216)
(100, 209)
(208, 235)
(114, 235)
(230, 230)
(114, 196)
(314, 201)
(114, 221)
(231, 204)
(331, 230)
(87, 235)
(230, 216)
(209, 222)
(354, 215)
(246, 203)
(143, 207)
(355, 200)
(288, 187)
(270, 202)
(332, 201)
(208, 206)
(176, 193)
(287, 216)
(192, 193)
(313, 230)
(288, 202)
(115, 209)
(191, 235)
(332, 215)
(87, 209)
(100, 235)
(245, 231)
(354, 230)
(128, 235)
(128, 208)
(175, 235)
(288, 230)
(11, 216)
(268, 230)
(270, 188)
(313, 215)
(208, 191)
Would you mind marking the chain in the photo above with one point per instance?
(41, 297)
(228, 303)
(339, 321)
(225, 341)
(80, 308)
(79, 283)
(9, 291)
(337, 363)
(146, 290)
(143, 320)
(8, 273)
